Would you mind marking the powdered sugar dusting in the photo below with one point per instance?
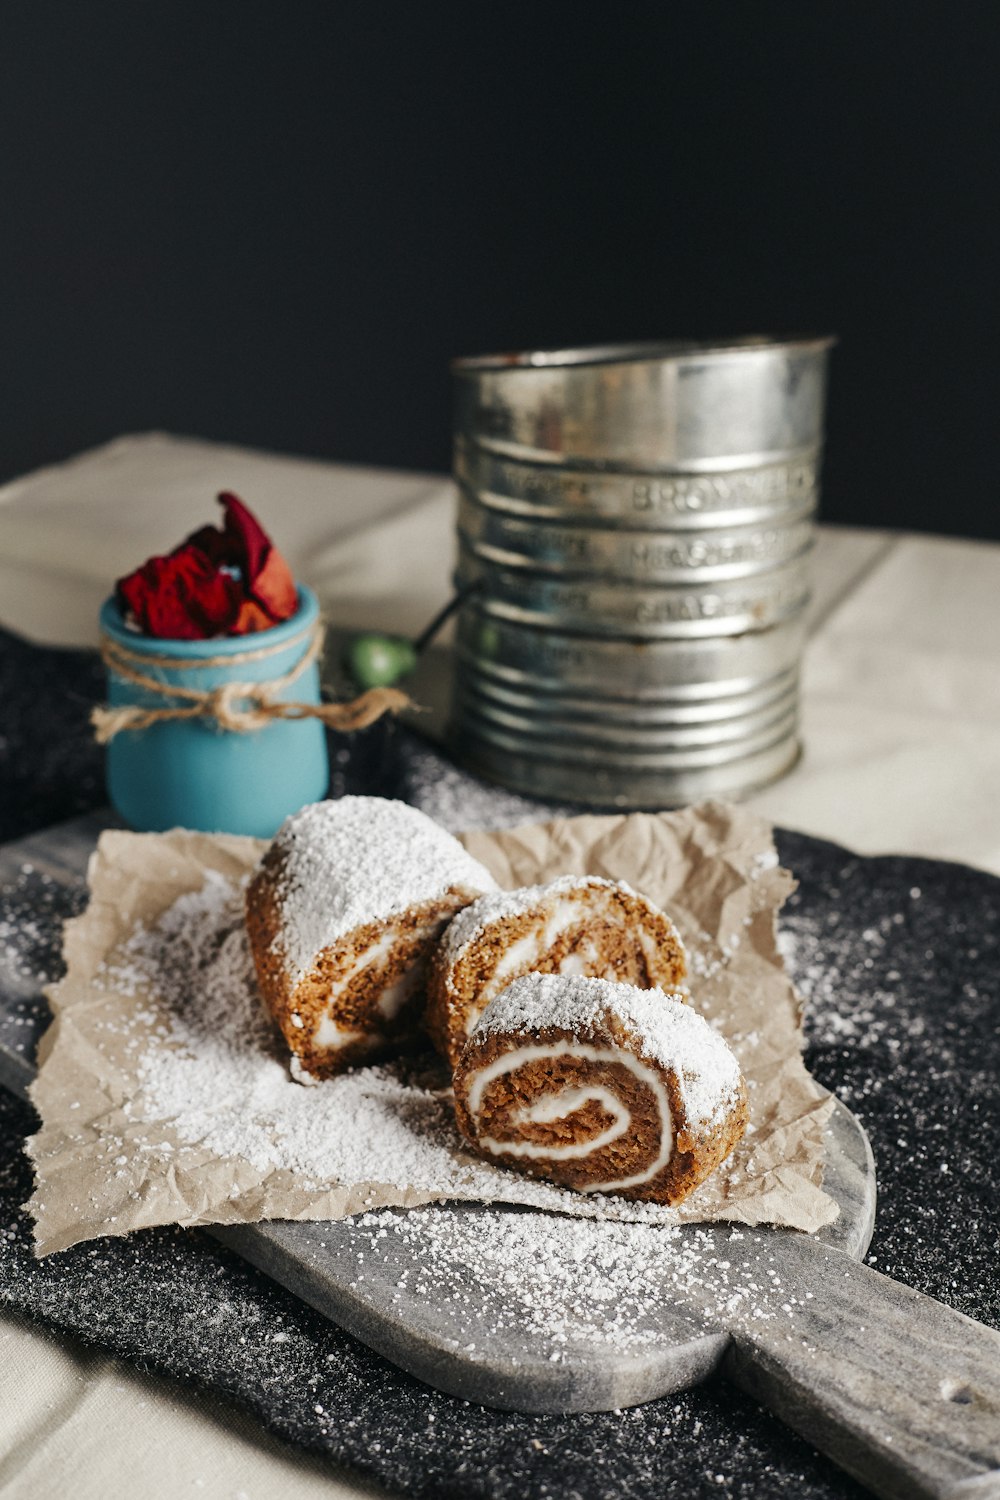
(215, 1068)
(557, 1282)
(665, 1029)
(498, 906)
(358, 859)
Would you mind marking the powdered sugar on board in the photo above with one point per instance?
(602, 1285)
(358, 859)
(164, 1091)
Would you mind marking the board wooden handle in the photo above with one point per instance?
(899, 1390)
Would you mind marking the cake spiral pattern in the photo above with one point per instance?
(342, 914)
(601, 1087)
(577, 925)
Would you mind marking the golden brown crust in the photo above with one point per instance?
(459, 989)
(696, 1152)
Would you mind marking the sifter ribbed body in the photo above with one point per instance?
(635, 524)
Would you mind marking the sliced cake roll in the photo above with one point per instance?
(600, 1087)
(575, 925)
(342, 914)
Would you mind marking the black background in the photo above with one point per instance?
(276, 223)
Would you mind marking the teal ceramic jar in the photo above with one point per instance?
(191, 772)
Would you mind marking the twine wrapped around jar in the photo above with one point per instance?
(239, 707)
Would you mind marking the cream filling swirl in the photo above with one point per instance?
(564, 1102)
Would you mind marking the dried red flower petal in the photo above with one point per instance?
(249, 543)
(267, 577)
(274, 588)
(250, 618)
(215, 544)
(181, 597)
(230, 581)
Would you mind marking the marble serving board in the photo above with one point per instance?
(900, 1390)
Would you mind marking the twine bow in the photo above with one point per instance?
(239, 707)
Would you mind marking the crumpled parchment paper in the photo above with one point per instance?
(103, 1167)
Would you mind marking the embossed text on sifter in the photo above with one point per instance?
(635, 523)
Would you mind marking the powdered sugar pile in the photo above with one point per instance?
(356, 858)
(214, 1067)
(664, 1028)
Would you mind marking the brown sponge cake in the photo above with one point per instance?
(581, 925)
(600, 1087)
(342, 913)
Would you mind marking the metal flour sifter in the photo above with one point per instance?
(637, 521)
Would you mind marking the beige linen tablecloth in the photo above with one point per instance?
(901, 723)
